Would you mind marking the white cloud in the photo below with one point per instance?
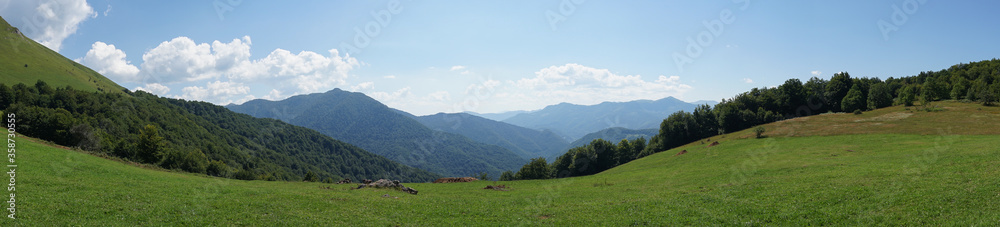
(747, 80)
(181, 59)
(816, 73)
(274, 95)
(218, 92)
(397, 96)
(107, 10)
(390, 77)
(440, 96)
(110, 62)
(579, 84)
(48, 21)
(363, 86)
(154, 88)
(457, 67)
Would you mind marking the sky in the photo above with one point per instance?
(426, 57)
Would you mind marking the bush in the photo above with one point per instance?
(310, 177)
(483, 176)
(217, 168)
(759, 131)
(538, 168)
(507, 176)
(857, 112)
(190, 160)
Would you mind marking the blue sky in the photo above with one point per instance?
(491, 56)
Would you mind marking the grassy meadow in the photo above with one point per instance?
(928, 168)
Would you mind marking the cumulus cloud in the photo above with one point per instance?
(363, 86)
(48, 21)
(816, 73)
(394, 97)
(219, 92)
(747, 80)
(110, 62)
(228, 65)
(181, 59)
(457, 67)
(154, 88)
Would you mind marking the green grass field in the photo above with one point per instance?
(941, 177)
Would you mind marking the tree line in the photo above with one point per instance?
(973, 82)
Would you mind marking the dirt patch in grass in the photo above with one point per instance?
(894, 116)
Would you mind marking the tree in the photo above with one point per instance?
(217, 168)
(853, 100)
(151, 145)
(837, 89)
(537, 168)
(483, 176)
(188, 160)
(507, 176)
(792, 95)
(959, 88)
(759, 131)
(907, 95)
(6, 96)
(879, 96)
(310, 177)
(932, 91)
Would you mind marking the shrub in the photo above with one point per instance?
(857, 112)
(310, 177)
(217, 168)
(507, 176)
(190, 160)
(759, 131)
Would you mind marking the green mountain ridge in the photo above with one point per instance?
(360, 120)
(526, 143)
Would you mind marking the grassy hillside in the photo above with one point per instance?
(854, 175)
(23, 60)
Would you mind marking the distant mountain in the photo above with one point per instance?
(574, 121)
(499, 116)
(526, 143)
(614, 135)
(362, 121)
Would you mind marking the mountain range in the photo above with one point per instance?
(572, 121)
(526, 143)
(360, 120)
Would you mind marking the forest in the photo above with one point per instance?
(973, 82)
(190, 136)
